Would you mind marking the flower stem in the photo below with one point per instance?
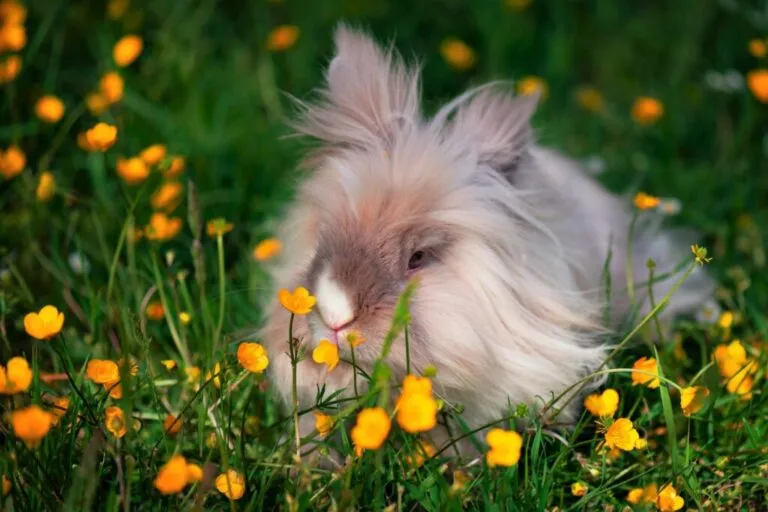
(169, 320)
(222, 290)
(407, 352)
(354, 369)
(294, 353)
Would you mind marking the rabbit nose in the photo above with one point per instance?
(333, 303)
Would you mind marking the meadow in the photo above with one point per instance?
(145, 161)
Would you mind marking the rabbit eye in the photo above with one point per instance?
(417, 260)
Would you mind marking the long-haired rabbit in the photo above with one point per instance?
(509, 241)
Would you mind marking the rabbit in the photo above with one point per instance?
(508, 241)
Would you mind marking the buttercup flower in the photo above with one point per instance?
(49, 109)
(167, 196)
(529, 85)
(371, 429)
(668, 500)
(253, 357)
(725, 321)
(96, 102)
(504, 447)
(185, 318)
(355, 338)
(172, 425)
(300, 302)
(644, 201)
(127, 50)
(621, 434)
(193, 374)
(732, 358)
(231, 484)
(326, 353)
(646, 365)
(155, 311)
(111, 87)
(102, 371)
(12, 162)
(282, 38)
(603, 405)
(194, 473)
(59, 408)
(153, 154)
(323, 423)
(173, 476)
(741, 384)
(132, 170)
(218, 227)
(417, 412)
(13, 37)
(423, 451)
(161, 227)
(692, 399)
(12, 13)
(31, 424)
(177, 166)
(641, 443)
(579, 489)
(647, 110)
(267, 249)
(757, 81)
(45, 324)
(6, 485)
(590, 99)
(9, 68)
(457, 54)
(15, 377)
(169, 364)
(46, 186)
(101, 137)
(416, 385)
(215, 374)
(643, 496)
(757, 48)
(115, 421)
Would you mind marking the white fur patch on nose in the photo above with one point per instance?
(332, 302)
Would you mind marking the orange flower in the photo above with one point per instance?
(161, 227)
(529, 85)
(355, 338)
(231, 484)
(111, 87)
(45, 324)
(194, 473)
(741, 384)
(102, 371)
(643, 495)
(13, 37)
(668, 500)
(647, 110)
(603, 405)
(173, 476)
(579, 489)
(417, 412)
(6, 485)
(31, 424)
(253, 357)
(590, 99)
(101, 137)
(46, 186)
(457, 54)
(505, 447)
(282, 38)
(732, 358)
(423, 451)
(621, 434)
(757, 48)
(218, 227)
(49, 108)
(323, 423)
(16, 377)
(267, 249)
(300, 302)
(96, 102)
(692, 399)
(176, 167)
(127, 50)
(9, 68)
(172, 425)
(644, 201)
(153, 154)
(155, 311)
(169, 364)
(326, 353)
(59, 409)
(646, 365)
(757, 81)
(12, 162)
(115, 421)
(371, 429)
(132, 170)
(12, 13)
(167, 196)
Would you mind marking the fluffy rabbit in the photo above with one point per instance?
(509, 241)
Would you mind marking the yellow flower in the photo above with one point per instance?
(757, 48)
(9, 68)
(529, 85)
(45, 324)
(96, 102)
(173, 476)
(218, 227)
(169, 364)
(177, 166)
(590, 99)
(115, 421)
(732, 358)
(460, 481)
(231, 484)
(167, 196)
(267, 249)
(457, 54)
(31, 424)
(371, 429)
(579, 489)
(741, 384)
(127, 50)
(132, 170)
(300, 302)
(644, 496)
(12, 13)
(102, 371)
(161, 227)
(641, 443)
(646, 365)
(423, 451)
(155, 311)
(355, 338)
(668, 500)
(111, 87)
(692, 399)
(49, 109)
(16, 377)
(153, 154)
(6, 485)
(323, 423)
(644, 201)
(621, 434)
(726, 320)
(59, 409)
(46, 186)
(326, 353)
(193, 374)
(757, 81)
(603, 405)
(504, 447)
(253, 357)
(12, 162)
(185, 318)
(172, 425)
(13, 37)
(282, 38)
(417, 412)
(214, 374)
(194, 473)
(101, 137)
(647, 110)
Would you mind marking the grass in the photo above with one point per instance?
(208, 88)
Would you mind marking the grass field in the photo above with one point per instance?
(211, 82)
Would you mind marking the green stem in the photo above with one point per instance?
(354, 369)
(656, 321)
(169, 320)
(222, 290)
(407, 352)
(630, 270)
(293, 347)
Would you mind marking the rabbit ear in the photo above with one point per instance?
(496, 126)
(370, 95)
